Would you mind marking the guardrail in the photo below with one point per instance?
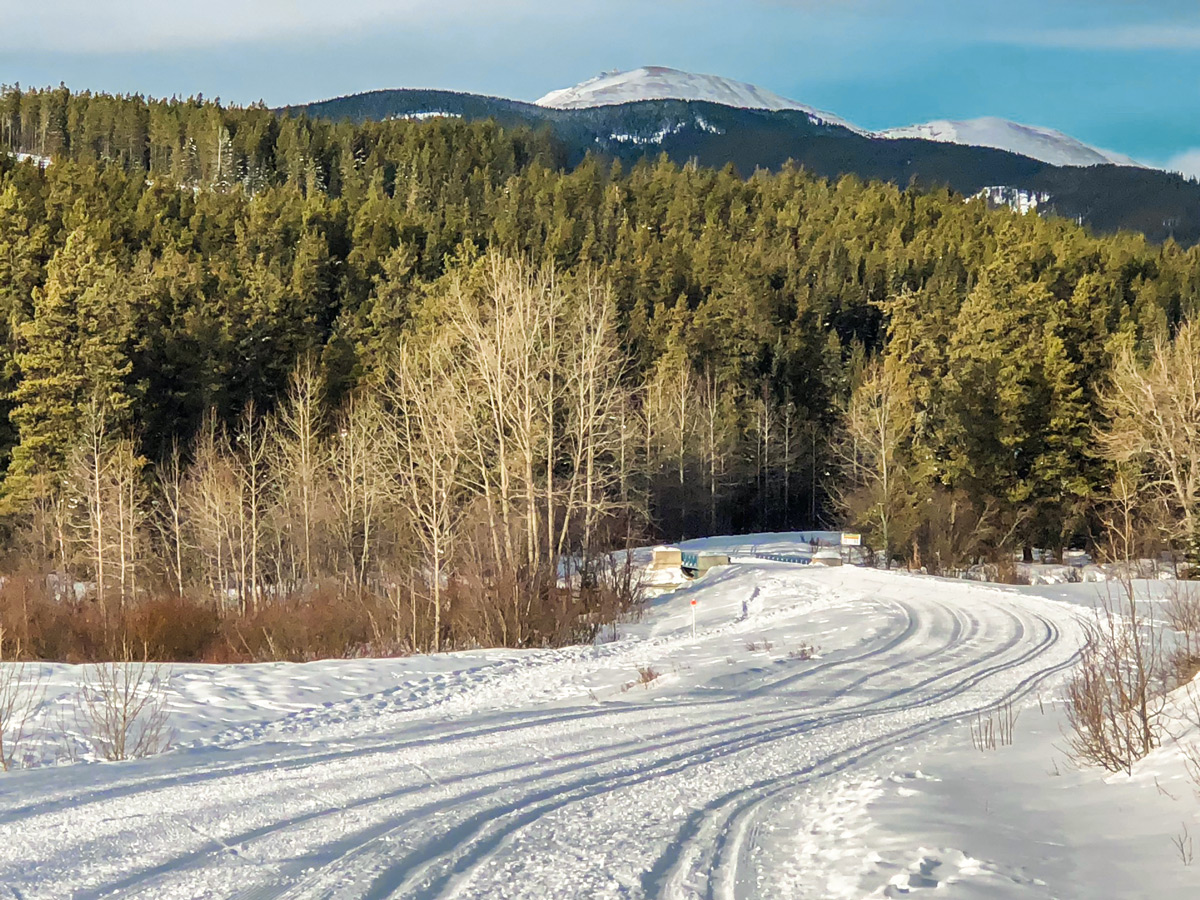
(784, 558)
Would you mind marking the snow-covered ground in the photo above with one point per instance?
(811, 739)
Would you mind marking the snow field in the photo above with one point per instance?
(743, 770)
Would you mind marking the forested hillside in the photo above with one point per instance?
(251, 359)
(1107, 198)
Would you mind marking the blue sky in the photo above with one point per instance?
(1121, 74)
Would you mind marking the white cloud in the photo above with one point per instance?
(1157, 36)
(1186, 163)
(139, 25)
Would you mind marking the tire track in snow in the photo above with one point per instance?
(590, 755)
(480, 834)
(304, 758)
(437, 885)
(915, 627)
(715, 837)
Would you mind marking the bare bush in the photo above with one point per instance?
(1116, 696)
(1183, 615)
(121, 708)
(21, 693)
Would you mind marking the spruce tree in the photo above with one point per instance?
(71, 353)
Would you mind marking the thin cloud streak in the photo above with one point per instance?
(1164, 36)
(103, 26)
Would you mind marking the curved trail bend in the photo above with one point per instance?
(560, 774)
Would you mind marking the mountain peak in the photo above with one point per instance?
(662, 83)
(1044, 144)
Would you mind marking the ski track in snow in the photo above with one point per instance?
(546, 774)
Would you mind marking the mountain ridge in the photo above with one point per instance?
(664, 83)
(1106, 197)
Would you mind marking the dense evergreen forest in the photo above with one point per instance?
(1108, 199)
(251, 360)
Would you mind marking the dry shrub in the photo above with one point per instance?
(21, 693)
(1183, 615)
(121, 709)
(1117, 694)
(488, 605)
(954, 532)
(173, 629)
(50, 628)
(326, 625)
(483, 604)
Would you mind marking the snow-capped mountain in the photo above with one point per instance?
(660, 83)
(1049, 146)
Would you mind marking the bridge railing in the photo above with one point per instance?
(784, 558)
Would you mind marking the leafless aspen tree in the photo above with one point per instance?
(255, 482)
(359, 483)
(875, 428)
(211, 501)
(131, 501)
(425, 433)
(301, 461)
(1154, 421)
(106, 480)
(91, 474)
(169, 522)
(595, 402)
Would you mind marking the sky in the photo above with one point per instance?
(1119, 74)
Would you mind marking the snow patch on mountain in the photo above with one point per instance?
(1043, 144)
(1018, 200)
(660, 83)
(660, 135)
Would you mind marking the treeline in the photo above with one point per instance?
(752, 321)
(462, 494)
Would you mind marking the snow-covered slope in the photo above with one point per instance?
(659, 83)
(1045, 144)
(770, 730)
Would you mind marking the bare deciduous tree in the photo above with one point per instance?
(425, 434)
(106, 480)
(255, 481)
(1154, 422)
(301, 461)
(876, 427)
(359, 484)
(169, 523)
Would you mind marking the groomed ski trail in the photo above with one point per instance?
(557, 775)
